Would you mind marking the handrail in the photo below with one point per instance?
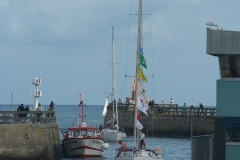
(11, 117)
(167, 109)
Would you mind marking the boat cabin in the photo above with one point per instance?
(82, 132)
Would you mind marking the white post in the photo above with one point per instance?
(191, 134)
(12, 105)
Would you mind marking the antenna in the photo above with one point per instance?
(81, 105)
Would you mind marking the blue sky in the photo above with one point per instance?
(68, 43)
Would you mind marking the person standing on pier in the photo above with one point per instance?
(201, 109)
(171, 101)
(26, 109)
(39, 108)
(51, 105)
(184, 109)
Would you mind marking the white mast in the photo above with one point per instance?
(136, 131)
(114, 81)
(37, 93)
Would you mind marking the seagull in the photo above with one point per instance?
(220, 28)
(211, 24)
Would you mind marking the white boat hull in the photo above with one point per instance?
(136, 158)
(82, 147)
(142, 155)
(113, 135)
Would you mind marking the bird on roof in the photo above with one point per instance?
(211, 24)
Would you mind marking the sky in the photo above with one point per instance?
(68, 44)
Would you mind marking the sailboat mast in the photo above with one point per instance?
(137, 65)
(114, 80)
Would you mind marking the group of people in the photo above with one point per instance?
(22, 116)
(124, 147)
(200, 110)
(171, 101)
(119, 101)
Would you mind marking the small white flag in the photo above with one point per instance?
(141, 106)
(139, 125)
(142, 92)
(105, 108)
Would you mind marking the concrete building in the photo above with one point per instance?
(225, 45)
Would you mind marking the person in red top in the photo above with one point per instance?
(123, 147)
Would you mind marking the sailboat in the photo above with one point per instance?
(112, 133)
(138, 153)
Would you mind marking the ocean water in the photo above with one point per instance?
(67, 115)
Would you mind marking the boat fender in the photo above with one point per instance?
(105, 145)
(157, 150)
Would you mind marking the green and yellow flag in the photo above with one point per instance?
(141, 75)
(142, 60)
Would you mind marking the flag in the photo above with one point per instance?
(143, 61)
(139, 125)
(142, 92)
(105, 108)
(141, 106)
(138, 117)
(145, 105)
(140, 49)
(141, 75)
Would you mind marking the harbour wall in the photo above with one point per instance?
(168, 123)
(28, 140)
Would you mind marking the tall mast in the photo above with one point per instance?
(114, 79)
(137, 64)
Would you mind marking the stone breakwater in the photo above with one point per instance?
(169, 123)
(30, 142)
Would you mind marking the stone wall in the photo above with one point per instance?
(163, 125)
(30, 142)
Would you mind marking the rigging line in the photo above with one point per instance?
(127, 62)
(124, 87)
(108, 70)
(127, 51)
(128, 36)
(117, 69)
(106, 75)
(151, 47)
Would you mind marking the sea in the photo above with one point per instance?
(68, 115)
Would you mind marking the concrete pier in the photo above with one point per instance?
(166, 121)
(29, 141)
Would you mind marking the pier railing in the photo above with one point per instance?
(11, 117)
(174, 109)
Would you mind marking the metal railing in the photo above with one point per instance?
(174, 109)
(185, 111)
(12, 117)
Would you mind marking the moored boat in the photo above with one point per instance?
(83, 141)
(139, 152)
(112, 132)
